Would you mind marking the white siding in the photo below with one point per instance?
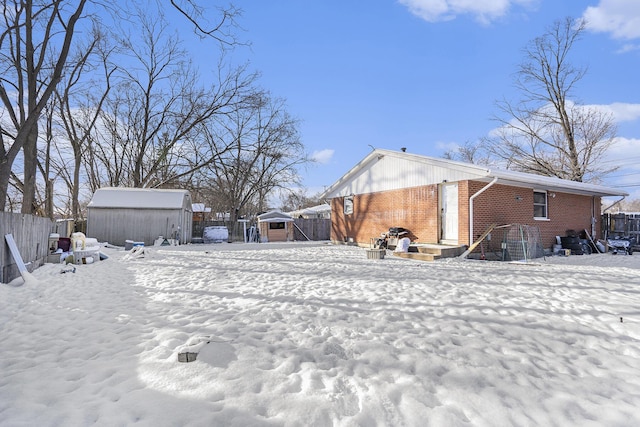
(393, 173)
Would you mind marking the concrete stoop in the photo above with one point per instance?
(430, 252)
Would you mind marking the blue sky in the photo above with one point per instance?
(425, 74)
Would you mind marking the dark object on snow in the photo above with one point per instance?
(189, 352)
(574, 244)
(187, 357)
(64, 243)
(381, 242)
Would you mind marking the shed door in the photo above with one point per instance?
(449, 213)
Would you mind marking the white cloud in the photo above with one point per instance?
(628, 47)
(621, 18)
(447, 146)
(323, 156)
(621, 111)
(484, 11)
(623, 151)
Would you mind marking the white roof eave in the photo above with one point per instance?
(520, 179)
(276, 220)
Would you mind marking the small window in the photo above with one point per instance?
(276, 226)
(540, 204)
(348, 205)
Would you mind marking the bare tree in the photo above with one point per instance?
(265, 152)
(150, 126)
(222, 30)
(300, 199)
(77, 103)
(34, 36)
(36, 39)
(469, 152)
(546, 132)
(630, 205)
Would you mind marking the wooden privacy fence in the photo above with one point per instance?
(313, 228)
(621, 225)
(31, 234)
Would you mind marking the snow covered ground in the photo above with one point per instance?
(319, 335)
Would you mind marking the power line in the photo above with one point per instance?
(624, 174)
(626, 159)
(625, 186)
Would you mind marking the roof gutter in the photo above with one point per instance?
(482, 190)
(614, 203)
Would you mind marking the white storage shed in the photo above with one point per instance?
(115, 215)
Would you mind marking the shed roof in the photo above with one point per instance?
(200, 207)
(384, 170)
(143, 198)
(274, 216)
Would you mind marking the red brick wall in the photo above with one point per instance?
(512, 205)
(416, 209)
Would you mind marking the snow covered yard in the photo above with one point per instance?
(315, 334)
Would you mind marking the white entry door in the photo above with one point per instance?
(449, 213)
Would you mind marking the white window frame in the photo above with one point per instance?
(545, 205)
(348, 205)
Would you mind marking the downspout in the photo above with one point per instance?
(593, 216)
(482, 190)
(606, 235)
(614, 203)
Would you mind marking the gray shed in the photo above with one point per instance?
(115, 215)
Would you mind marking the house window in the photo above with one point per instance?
(276, 226)
(348, 205)
(540, 205)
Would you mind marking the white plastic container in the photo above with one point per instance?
(215, 234)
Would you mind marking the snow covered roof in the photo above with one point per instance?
(200, 207)
(383, 170)
(313, 210)
(149, 198)
(274, 216)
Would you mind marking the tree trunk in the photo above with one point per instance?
(30, 150)
(75, 188)
(5, 175)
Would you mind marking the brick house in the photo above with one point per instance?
(446, 202)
